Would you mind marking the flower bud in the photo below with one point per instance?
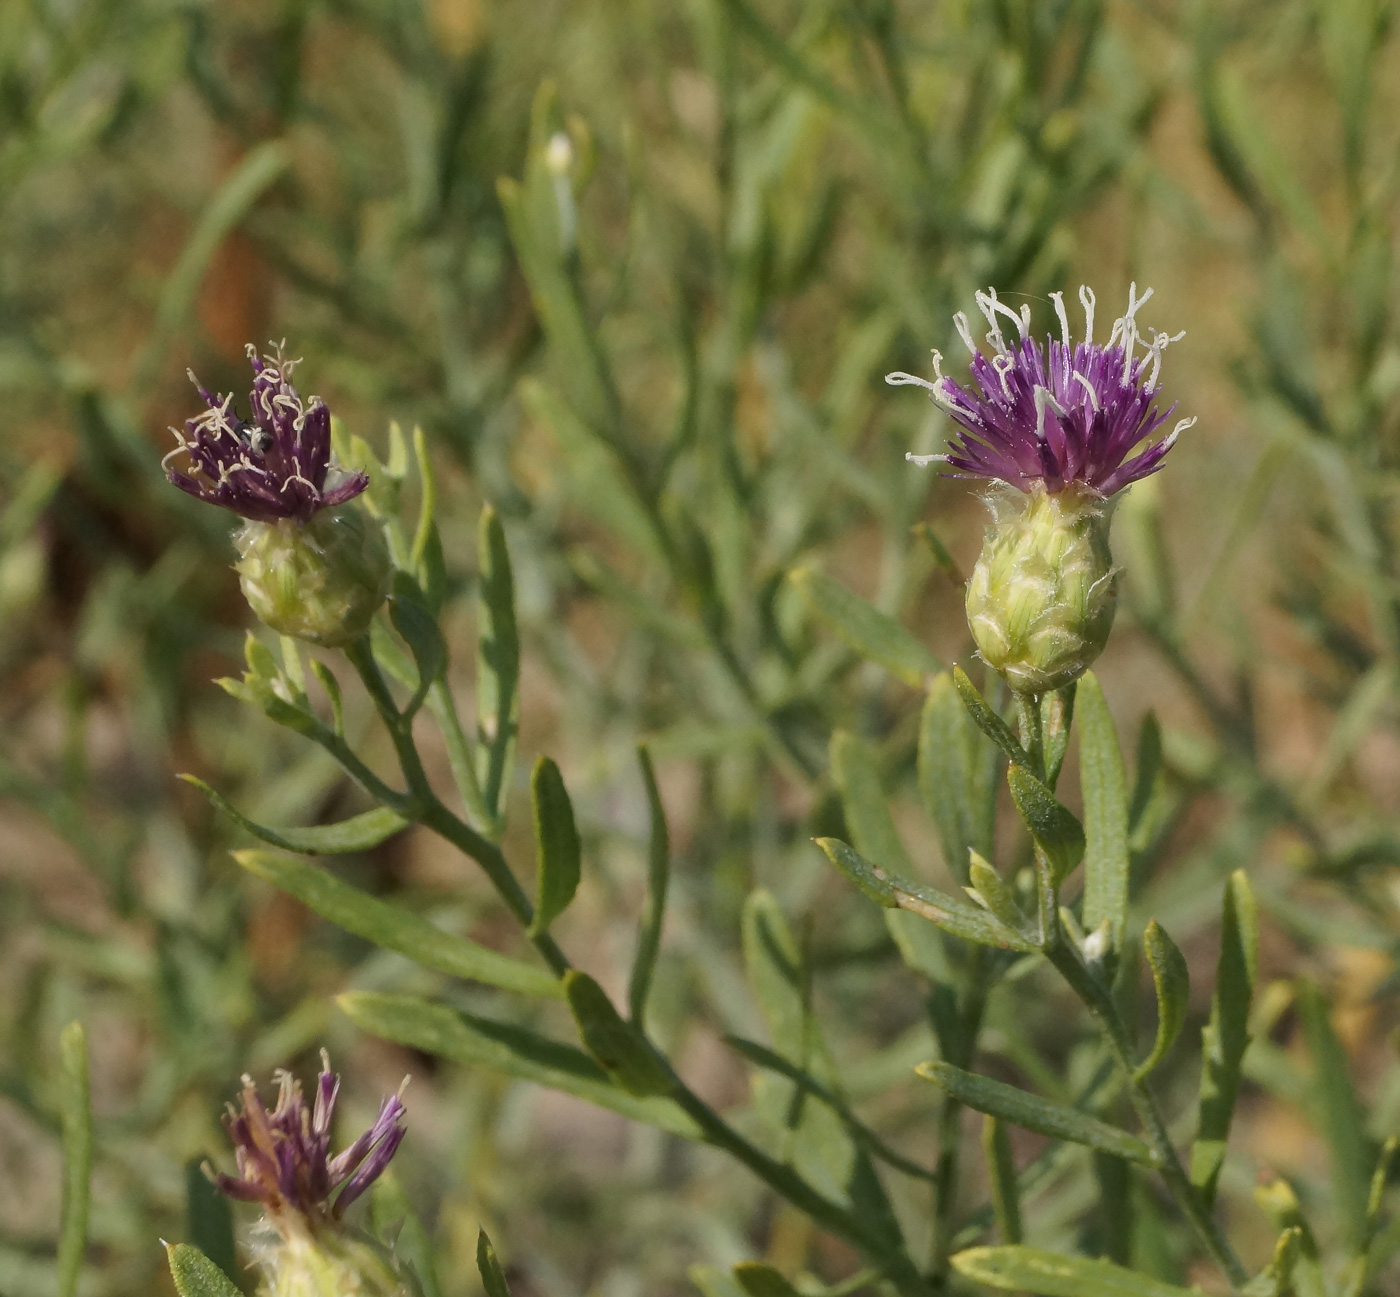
(1042, 596)
(328, 1264)
(321, 581)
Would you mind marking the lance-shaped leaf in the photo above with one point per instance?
(392, 1217)
(409, 613)
(557, 844)
(1052, 1274)
(1105, 786)
(873, 634)
(987, 720)
(855, 769)
(1056, 832)
(613, 1041)
(75, 1114)
(497, 661)
(209, 1217)
(987, 885)
(392, 928)
(961, 918)
(515, 1051)
(1056, 718)
(658, 882)
(1338, 1114)
(1277, 1278)
(1279, 1203)
(997, 1099)
(1172, 982)
(760, 1280)
(598, 480)
(1148, 780)
(493, 1278)
(195, 1275)
(358, 833)
(1226, 1035)
(952, 776)
(1001, 1176)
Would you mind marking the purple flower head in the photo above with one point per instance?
(1071, 412)
(284, 1159)
(275, 467)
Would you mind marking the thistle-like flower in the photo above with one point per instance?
(285, 1164)
(284, 1158)
(1064, 427)
(275, 467)
(309, 566)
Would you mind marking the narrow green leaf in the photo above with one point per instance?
(392, 928)
(195, 1275)
(425, 534)
(497, 662)
(947, 564)
(1056, 832)
(493, 1278)
(1057, 717)
(332, 690)
(1276, 1279)
(75, 1114)
(658, 882)
(408, 611)
(766, 1058)
(395, 1222)
(1001, 1177)
(1279, 1203)
(760, 1280)
(515, 1051)
(1172, 981)
(1051, 1274)
(962, 919)
(948, 766)
(1008, 1103)
(557, 844)
(1105, 787)
(596, 476)
(1338, 1114)
(532, 219)
(1226, 1035)
(855, 769)
(999, 898)
(713, 1282)
(823, 1149)
(987, 720)
(873, 634)
(209, 1218)
(1147, 776)
(358, 833)
(613, 1041)
(1114, 1233)
(649, 613)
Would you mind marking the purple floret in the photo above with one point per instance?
(1070, 412)
(284, 1159)
(273, 468)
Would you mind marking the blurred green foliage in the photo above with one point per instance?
(636, 271)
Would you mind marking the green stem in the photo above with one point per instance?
(1099, 1002)
(897, 1268)
(945, 1191)
(1032, 735)
(459, 755)
(429, 811)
